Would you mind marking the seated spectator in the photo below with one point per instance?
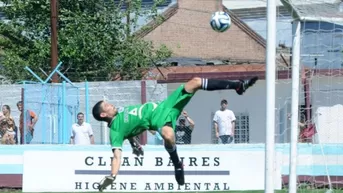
(307, 133)
(7, 139)
(306, 130)
(7, 134)
(6, 110)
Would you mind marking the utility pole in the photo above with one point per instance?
(54, 52)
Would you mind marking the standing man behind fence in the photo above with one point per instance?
(31, 120)
(183, 132)
(224, 123)
(81, 132)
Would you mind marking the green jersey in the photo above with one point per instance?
(129, 122)
(133, 120)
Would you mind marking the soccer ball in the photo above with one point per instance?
(220, 21)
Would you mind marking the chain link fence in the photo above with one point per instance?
(49, 110)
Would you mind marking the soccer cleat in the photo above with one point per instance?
(245, 84)
(180, 174)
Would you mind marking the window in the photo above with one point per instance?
(242, 128)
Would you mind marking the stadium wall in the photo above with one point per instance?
(314, 160)
(252, 103)
(119, 92)
(130, 92)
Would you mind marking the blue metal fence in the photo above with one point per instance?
(56, 106)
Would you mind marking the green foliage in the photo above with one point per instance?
(93, 41)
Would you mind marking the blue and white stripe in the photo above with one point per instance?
(313, 160)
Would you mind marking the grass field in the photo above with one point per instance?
(257, 191)
(316, 191)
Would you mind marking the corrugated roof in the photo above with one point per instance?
(259, 12)
(316, 10)
(246, 4)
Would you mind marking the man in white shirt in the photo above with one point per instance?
(224, 123)
(81, 132)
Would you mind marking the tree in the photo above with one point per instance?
(95, 39)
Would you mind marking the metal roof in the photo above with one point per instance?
(247, 4)
(316, 10)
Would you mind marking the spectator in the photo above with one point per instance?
(82, 133)
(183, 133)
(6, 110)
(31, 120)
(224, 123)
(6, 135)
(306, 130)
(2, 130)
(7, 139)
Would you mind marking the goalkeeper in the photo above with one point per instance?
(131, 121)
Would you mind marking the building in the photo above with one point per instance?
(321, 28)
(196, 54)
(199, 51)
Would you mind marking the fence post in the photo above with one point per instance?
(104, 128)
(87, 101)
(60, 113)
(42, 113)
(64, 113)
(22, 134)
(143, 136)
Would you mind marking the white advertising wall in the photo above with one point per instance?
(80, 171)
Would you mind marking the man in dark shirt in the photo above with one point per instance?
(183, 132)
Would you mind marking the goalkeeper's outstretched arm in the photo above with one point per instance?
(108, 180)
(116, 161)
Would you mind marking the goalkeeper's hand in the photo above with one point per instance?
(137, 150)
(106, 181)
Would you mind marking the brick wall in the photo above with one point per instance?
(189, 34)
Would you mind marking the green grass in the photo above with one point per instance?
(314, 191)
(257, 191)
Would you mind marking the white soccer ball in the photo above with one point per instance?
(220, 21)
